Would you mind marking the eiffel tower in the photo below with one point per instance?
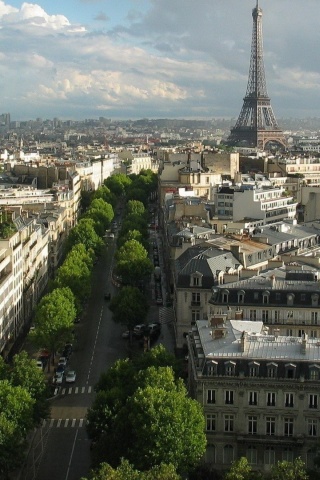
(257, 124)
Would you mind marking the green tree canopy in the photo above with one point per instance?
(125, 471)
(129, 307)
(132, 235)
(106, 195)
(101, 213)
(25, 373)
(157, 424)
(54, 319)
(289, 470)
(133, 263)
(135, 207)
(84, 232)
(240, 470)
(118, 183)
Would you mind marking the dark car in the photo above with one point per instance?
(139, 330)
(60, 368)
(107, 296)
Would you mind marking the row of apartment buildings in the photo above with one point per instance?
(42, 199)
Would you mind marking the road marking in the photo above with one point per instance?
(51, 422)
(73, 422)
(89, 389)
(66, 423)
(76, 390)
(59, 422)
(71, 455)
(80, 422)
(83, 389)
(63, 391)
(70, 390)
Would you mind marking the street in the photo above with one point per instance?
(61, 448)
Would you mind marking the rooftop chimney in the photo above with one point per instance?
(244, 341)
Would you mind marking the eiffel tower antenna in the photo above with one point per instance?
(256, 125)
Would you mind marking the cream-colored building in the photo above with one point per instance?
(259, 392)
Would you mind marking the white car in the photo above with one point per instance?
(71, 376)
(58, 378)
(63, 361)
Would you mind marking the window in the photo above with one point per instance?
(265, 298)
(254, 369)
(314, 372)
(224, 297)
(289, 332)
(211, 396)
(270, 425)
(288, 400)
(278, 297)
(313, 400)
(252, 425)
(210, 422)
(265, 316)
(228, 423)
(195, 315)
(212, 368)
(313, 334)
(228, 397)
(288, 427)
(290, 370)
(228, 454)
(269, 456)
(230, 368)
(252, 455)
(271, 399)
(312, 427)
(290, 299)
(256, 295)
(302, 297)
(240, 297)
(196, 299)
(314, 300)
(253, 315)
(253, 398)
(272, 369)
(196, 281)
(276, 316)
(287, 454)
(314, 318)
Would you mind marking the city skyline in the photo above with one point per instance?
(156, 59)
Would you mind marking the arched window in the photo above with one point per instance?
(252, 455)
(228, 454)
(269, 456)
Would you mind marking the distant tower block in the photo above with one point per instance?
(256, 125)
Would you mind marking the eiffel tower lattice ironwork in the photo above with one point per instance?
(257, 124)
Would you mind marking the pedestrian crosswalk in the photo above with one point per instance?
(166, 315)
(64, 423)
(75, 390)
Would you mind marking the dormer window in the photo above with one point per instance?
(290, 298)
(314, 371)
(212, 368)
(314, 299)
(225, 296)
(290, 369)
(254, 369)
(241, 294)
(230, 368)
(272, 369)
(265, 297)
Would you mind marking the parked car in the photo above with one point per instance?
(139, 330)
(107, 296)
(71, 376)
(60, 368)
(125, 334)
(39, 364)
(154, 329)
(63, 361)
(57, 378)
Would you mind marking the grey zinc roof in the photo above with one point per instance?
(207, 261)
(259, 345)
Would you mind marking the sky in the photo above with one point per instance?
(129, 59)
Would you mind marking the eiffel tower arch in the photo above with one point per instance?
(256, 124)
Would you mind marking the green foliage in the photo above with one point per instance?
(135, 193)
(86, 198)
(129, 307)
(84, 232)
(101, 213)
(106, 195)
(16, 420)
(289, 470)
(7, 229)
(54, 319)
(125, 471)
(118, 184)
(133, 263)
(132, 235)
(135, 207)
(26, 374)
(240, 470)
(142, 413)
(75, 273)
